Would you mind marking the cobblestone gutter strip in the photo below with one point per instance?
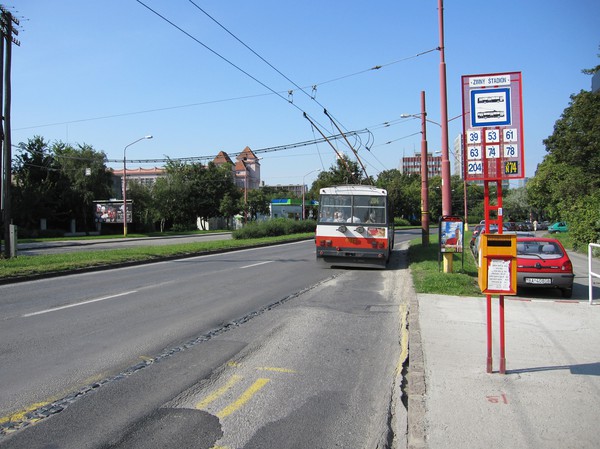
(20, 420)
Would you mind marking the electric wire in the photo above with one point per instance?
(190, 105)
(311, 96)
(378, 67)
(231, 63)
(316, 141)
(314, 122)
(290, 93)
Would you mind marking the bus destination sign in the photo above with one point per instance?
(493, 127)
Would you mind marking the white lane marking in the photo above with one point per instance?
(257, 264)
(104, 298)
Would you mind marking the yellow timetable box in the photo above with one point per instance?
(498, 264)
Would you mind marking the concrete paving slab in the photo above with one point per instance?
(550, 394)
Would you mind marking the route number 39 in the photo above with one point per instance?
(474, 137)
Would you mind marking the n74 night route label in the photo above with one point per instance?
(511, 167)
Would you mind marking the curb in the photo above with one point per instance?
(416, 380)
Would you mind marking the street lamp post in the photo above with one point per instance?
(245, 190)
(246, 172)
(125, 183)
(304, 189)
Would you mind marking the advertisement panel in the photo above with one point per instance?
(451, 234)
(111, 211)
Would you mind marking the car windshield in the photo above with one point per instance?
(539, 248)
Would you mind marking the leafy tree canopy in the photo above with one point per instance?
(575, 141)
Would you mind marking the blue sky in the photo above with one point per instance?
(107, 73)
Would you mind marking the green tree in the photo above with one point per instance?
(584, 221)
(58, 182)
(229, 206)
(143, 209)
(344, 171)
(215, 182)
(593, 70)
(257, 203)
(566, 183)
(36, 176)
(85, 178)
(516, 205)
(475, 202)
(404, 192)
(189, 191)
(575, 141)
(170, 194)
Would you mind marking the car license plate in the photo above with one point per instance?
(538, 281)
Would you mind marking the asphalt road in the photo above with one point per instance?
(254, 348)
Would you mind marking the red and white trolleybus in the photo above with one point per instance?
(355, 226)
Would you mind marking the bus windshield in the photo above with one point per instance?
(365, 209)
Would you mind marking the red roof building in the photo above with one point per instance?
(245, 172)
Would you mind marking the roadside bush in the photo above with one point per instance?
(273, 228)
(185, 227)
(401, 222)
(584, 221)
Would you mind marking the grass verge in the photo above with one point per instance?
(428, 275)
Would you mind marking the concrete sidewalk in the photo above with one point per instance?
(548, 398)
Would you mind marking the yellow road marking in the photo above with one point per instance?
(403, 338)
(20, 416)
(214, 396)
(245, 397)
(275, 369)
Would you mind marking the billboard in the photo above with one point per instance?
(451, 234)
(111, 211)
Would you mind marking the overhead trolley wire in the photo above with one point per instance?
(290, 93)
(215, 53)
(258, 151)
(312, 97)
(208, 102)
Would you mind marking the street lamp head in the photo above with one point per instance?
(148, 137)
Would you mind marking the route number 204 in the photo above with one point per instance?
(475, 168)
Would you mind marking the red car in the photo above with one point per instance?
(543, 262)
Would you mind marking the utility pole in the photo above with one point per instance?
(446, 177)
(424, 175)
(7, 31)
